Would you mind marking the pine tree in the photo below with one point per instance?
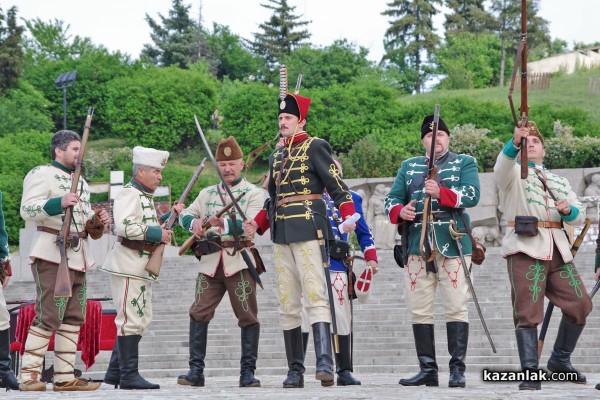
(11, 52)
(508, 26)
(281, 33)
(468, 16)
(178, 39)
(410, 40)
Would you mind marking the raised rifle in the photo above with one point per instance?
(155, 261)
(550, 306)
(62, 286)
(426, 244)
(521, 59)
(189, 241)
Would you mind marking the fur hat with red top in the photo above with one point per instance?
(291, 103)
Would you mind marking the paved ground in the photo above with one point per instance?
(375, 386)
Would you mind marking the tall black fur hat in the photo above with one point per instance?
(427, 126)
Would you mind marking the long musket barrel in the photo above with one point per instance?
(62, 286)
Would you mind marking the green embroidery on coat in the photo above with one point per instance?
(150, 218)
(82, 298)
(535, 274)
(201, 285)
(243, 291)
(62, 178)
(64, 187)
(140, 302)
(569, 272)
(529, 201)
(61, 305)
(32, 211)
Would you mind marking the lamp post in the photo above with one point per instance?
(63, 82)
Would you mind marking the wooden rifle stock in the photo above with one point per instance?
(62, 286)
(189, 241)
(155, 261)
(427, 253)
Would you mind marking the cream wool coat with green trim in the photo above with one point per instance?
(528, 197)
(43, 188)
(135, 219)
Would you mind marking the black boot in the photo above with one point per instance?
(566, 340)
(458, 337)
(113, 373)
(250, 336)
(305, 337)
(128, 348)
(425, 344)
(343, 362)
(198, 336)
(527, 344)
(294, 351)
(322, 339)
(7, 377)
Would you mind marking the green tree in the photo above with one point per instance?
(338, 63)
(508, 26)
(178, 39)
(51, 42)
(469, 60)
(24, 109)
(156, 106)
(234, 59)
(281, 34)
(411, 36)
(468, 16)
(11, 52)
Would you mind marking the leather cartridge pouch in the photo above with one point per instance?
(260, 265)
(526, 225)
(399, 256)
(204, 246)
(340, 249)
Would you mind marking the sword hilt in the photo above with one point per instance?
(455, 234)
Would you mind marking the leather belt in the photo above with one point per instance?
(82, 235)
(299, 197)
(232, 243)
(138, 245)
(436, 214)
(541, 224)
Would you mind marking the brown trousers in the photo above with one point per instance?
(53, 311)
(241, 289)
(532, 279)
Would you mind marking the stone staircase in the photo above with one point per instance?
(383, 332)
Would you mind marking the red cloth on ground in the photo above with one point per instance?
(89, 334)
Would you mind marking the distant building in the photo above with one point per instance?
(568, 62)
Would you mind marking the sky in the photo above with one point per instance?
(121, 25)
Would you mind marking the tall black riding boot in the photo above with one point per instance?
(527, 344)
(305, 337)
(425, 344)
(250, 336)
(198, 336)
(294, 351)
(113, 373)
(7, 377)
(566, 340)
(458, 338)
(343, 362)
(128, 347)
(323, 353)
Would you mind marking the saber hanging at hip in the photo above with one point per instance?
(457, 236)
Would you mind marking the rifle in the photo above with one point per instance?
(155, 261)
(550, 306)
(189, 241)
(426, 246)
(521, 59)
(62, 286)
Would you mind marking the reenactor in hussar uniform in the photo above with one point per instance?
(46, 195)
(139, 233)
(300, 172)
(222, 267)
(538, 253)
(455, 188)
